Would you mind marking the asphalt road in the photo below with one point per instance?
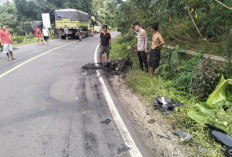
(51, 108)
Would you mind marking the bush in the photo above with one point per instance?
(30, 36)
(207, 74)
(197, 76)
(18, 39)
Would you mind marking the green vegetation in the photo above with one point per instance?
(8, 17)
(32, 10)
(24, 41)
(193, 24)
(202, 25)
(19, 40)
(14, 15)
(103, 12)
(184, 83)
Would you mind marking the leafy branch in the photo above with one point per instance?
(223, 4)
(195, 25)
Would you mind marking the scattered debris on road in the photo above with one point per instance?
(114, 66)
(222, 137)
(91, 66)
(84, 73)
(151, 121)
(165, 144)
(120, 64)
(228, 152)
(165, 105)
(107, 121)
(123, 148)
(203, 149)
(185, 136)
(162, 136)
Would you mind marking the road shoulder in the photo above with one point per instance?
(156, 134)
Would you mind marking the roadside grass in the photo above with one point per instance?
(24, 41)
(114, 29)
(148, 88)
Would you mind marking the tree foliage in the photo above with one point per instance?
(103, 11)
(8, 16)
(32, 9)
(182, 20)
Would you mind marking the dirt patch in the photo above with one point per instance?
(150, 124)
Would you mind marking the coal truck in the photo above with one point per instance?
(78, 23)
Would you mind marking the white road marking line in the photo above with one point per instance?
(28, 61)
(134, 151)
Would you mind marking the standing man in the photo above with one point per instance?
(92, 31)
(141, 46)
(105, 43)
(6, 42)
(157, 42)
(38, 34)
(45, 34)
(66, 32)
(79, 35)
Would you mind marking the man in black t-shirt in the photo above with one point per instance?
(105, 43)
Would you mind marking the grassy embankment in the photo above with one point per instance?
(25, 42)
(148, 88)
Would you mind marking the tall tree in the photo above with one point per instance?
(8, 15)
(103, 11)
(32, 9)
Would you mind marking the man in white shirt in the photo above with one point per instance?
(141, 46)
(45, 34)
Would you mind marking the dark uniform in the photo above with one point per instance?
(105, 41)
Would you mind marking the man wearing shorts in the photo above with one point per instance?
(38, 34)
(157, 42)
(105, 43)
(6, 43)
(45, 34)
